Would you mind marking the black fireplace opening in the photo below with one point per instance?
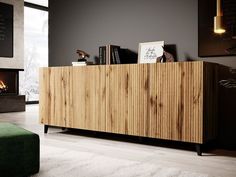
(9, 82)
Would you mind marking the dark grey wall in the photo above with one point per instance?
(88, 24)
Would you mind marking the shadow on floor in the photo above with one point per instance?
(209, 149)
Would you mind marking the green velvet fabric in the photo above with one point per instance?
(19, 151)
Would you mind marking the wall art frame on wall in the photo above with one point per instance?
(211, 44)
(149, 52)
(6, 30)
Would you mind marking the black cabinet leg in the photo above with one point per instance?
(140, 139)
(45, 128)
(198, 149)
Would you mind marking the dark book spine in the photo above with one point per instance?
(104, 55)
(107, 54)
(113, 56)
(117, 57)
(100, 55)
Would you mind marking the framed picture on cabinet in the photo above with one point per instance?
(149, 52)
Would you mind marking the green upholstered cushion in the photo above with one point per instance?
(19, 151)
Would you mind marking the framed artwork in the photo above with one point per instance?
(149, 52)
(6, 30)
(211, 44)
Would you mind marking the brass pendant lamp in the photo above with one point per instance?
(218, 19)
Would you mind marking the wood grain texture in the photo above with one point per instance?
(173, 101)
(73, 97)
(127, 108)
(89, 98)
(178, 101)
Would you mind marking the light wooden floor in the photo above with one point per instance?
(216, 163)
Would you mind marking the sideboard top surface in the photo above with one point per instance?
(118, 65)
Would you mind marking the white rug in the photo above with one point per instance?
(60, 162)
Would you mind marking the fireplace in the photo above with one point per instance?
(10, 100)
(9, 82)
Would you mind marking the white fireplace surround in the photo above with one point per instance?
(17, 62)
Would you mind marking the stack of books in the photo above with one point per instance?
(109, 54)
(79, 63)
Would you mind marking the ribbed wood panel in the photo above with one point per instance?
(73, 97)
(127, 108)
(56, 101)
(174, 101)
(89, 98)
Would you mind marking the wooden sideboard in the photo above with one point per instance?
(172, 101)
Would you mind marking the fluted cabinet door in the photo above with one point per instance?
(55, 96)
(73, 97)
(127, 91)
(176, 101)
(89, 98)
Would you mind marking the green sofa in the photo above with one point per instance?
(19, 151)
